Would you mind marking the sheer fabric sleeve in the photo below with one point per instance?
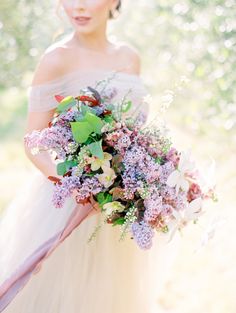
(145, 104)
(140, 104)
(40, 98)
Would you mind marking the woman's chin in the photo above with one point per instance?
(83, 28)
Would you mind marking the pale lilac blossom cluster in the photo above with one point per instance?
(57, 138)
(84, 187)
(143, 234)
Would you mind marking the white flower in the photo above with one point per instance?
(107, 177)
(107, 127)
(148, 99)
(109, 207)
(167, 98)
(96, 162)
(177, 178)
(192, 212)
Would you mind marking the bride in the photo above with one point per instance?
(47, 264)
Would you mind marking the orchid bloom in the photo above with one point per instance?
(96, 162)
(192, 212)
(107, 177)
(177, 178)
(113, 206)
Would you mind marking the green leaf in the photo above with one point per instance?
(108, 119)
(81, 130)
(86, 108)
(119, 221)
(79, 118)
(96, 149)
(65, 104)
(89, 174)
(159, 160)
(103, 197)
(95, 122)
(63, 167)
(126, 106)
(89, 140)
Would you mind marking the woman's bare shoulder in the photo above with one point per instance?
(132, 56)
(50, 65)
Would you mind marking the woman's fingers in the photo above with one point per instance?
(92, 207)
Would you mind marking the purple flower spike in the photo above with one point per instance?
(143, 234)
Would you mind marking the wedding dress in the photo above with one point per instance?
(47, 264)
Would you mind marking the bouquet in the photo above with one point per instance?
(139, 180)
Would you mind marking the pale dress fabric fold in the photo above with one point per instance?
(46, 262)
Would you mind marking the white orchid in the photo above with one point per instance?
(110, 207)
(192, 212)
(178, 178)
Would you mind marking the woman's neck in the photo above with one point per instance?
(96, 42)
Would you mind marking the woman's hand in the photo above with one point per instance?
(95, 207)
(92, 206)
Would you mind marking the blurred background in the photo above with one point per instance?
(188, 52)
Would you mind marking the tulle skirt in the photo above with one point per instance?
(47, 264)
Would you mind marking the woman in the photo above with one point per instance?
(47, 265)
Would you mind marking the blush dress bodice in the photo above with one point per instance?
(47, 264)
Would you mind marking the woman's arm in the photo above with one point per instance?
(48, 68)
(42, 160)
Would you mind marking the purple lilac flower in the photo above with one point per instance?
(176, 201)
(181, 201)
(134, 155)
(173, 156)
(165, 170)
(90, 185)
(55, 138)
(65, 190)
(123, 143)
(150, 169)
(168, 192)
(130, 182)
(143, 234)
(137, 156)
(166, 210)
(31, 140)
(153, 205)
(169, 195)
(68, 116)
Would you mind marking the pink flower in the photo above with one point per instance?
(173, 156)
(194, 192)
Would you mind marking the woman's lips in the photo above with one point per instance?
(82, 20)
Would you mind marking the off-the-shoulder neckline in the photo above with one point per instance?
(131, 76)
